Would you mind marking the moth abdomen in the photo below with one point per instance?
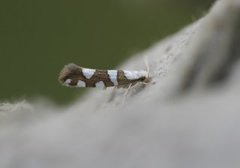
(70, 75)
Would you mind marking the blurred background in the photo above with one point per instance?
(38, 37)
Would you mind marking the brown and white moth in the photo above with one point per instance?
(73, 75)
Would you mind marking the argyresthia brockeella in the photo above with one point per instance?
(75, 76)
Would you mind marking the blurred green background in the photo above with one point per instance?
(37, 37)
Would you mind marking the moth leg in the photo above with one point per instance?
(126, 93)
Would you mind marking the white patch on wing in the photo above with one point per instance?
(133, 75)
(100, 84)
(81, 83)
(113, 76)
(88, 73)
(67, 82)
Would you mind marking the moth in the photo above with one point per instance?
(73, 75)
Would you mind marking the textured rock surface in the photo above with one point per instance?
(188, 116)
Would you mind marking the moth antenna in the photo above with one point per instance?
(148, 78)
(147, 64)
